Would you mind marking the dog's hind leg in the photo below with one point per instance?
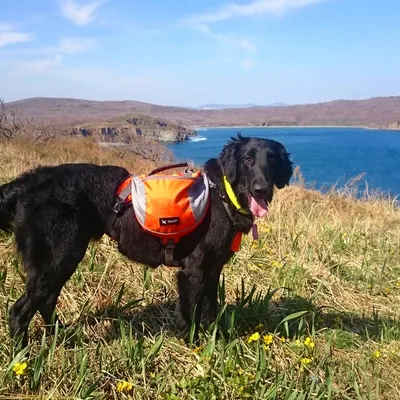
(38, 289)
(46, 273)
(68, 259)
(47, 311)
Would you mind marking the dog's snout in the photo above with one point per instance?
(260, 190)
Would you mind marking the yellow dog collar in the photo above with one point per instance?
(232, 196)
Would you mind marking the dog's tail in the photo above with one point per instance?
(8, 202)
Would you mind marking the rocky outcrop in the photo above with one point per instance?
(395, 126)
(124, 130)
(280, 123)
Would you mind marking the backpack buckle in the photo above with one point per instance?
(116, 208)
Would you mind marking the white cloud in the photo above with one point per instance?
(52, 57)
(75, 45)
(38, 66)
(79, 13)
(211, 62)
(5, 26)
(69, 45)
(238, 41)
(252, 9)
(9, 35)
(247, 64)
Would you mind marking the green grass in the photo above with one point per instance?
(325, 268)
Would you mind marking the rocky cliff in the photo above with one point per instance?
(395, 126)
(126, 128)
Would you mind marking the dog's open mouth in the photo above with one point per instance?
(258, 206)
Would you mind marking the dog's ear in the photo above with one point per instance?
(284, 170)
(228, 160)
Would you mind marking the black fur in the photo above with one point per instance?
(56, 211)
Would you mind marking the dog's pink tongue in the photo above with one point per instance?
(258, 207)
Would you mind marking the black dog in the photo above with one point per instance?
(56, 211)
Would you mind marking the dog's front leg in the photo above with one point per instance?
(191, 295)
(211, 275)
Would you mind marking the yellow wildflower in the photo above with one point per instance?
(265, 229)
(259, 327)
(251, 376)
(376, 354)
(240, 371)
(197, 350)
(124, 386)
(253, 338)
(259, 265)
(268, 339)
(297, 343)
(283, 340)
(276, 264)
(19, 368)
(309, 343)
(306, 361)
(387, 290)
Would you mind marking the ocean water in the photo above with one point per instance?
(326, 156)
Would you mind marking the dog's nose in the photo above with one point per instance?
(260, 190)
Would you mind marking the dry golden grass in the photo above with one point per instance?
(20, 155)
(328, 265)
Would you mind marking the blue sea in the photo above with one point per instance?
(326, 156)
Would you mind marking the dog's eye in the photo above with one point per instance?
(248, 159)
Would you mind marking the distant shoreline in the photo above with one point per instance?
(288, 126)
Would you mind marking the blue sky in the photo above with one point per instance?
(192, 52)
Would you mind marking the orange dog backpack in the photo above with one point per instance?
(167, 206)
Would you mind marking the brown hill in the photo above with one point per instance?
(374, 112)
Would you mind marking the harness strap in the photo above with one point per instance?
(161, 169)
(232, 196)
(236, 242)
(169, 254)
(112, 215)
(120, 201)
(237, 239)
(223, 198)
(126, 191)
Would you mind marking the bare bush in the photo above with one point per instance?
(13, 126)
(42, 132)
(10, 122)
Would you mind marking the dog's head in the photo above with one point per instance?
(253, 166)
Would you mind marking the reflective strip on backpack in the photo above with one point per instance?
(170, 206)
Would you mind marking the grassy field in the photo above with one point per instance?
(309, 311)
